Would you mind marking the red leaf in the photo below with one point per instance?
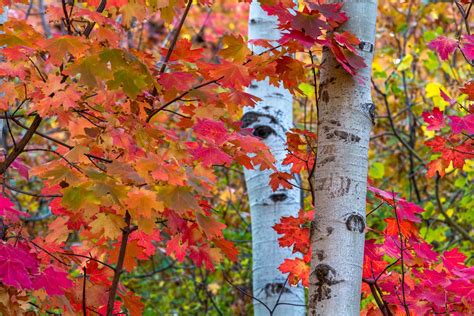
(278, 179)
(435, 119)
(212, 131)
(211, 227)
(407, 229)
(228, 248)
(183, 52)
(443, 46)
(469, 90)
(297, 269)
(209, 155)
(181, 81)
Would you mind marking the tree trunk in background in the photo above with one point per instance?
(340, 181)
(270, 118)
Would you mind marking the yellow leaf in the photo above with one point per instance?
(109, 224)
(141, 203)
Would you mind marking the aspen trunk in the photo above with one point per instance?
(340, 181)
(270, 118)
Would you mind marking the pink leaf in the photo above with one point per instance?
(443, 46)
(8, 213)
(53, 280)
(459, 124)
(468, 46)
(454, 259)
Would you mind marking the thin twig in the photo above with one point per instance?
(176, 36)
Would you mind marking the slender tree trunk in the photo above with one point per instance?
(270, 118)
(340, 182)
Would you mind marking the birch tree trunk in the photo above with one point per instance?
(340, 181)
(270, 118)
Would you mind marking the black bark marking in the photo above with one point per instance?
(355, 222)
(326, 160)
(263, 131)
(325, 96)
(320, 254)
(251, 117)
(329, 230)
(328, 149)
(336, 186)
(326, 277)
(370, 109)
(276, 288)
(266, 107)
(334, 122)
(277, 94)
(278, 197)
(347, 137)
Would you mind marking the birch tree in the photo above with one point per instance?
(270, 119)
(340, 180)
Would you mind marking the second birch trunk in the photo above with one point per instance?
(340, 181)
(270, 119)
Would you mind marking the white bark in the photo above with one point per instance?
(340, 180)
(270, 118)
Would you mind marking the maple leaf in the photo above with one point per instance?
(454, 259)
(143, 203)
(209, 155)
(278, 179)
(235, 48)
(53, 280)
(460, 124)
(8, 213)
(468, 46)
(443, 46)
(178, 198)
(332, 12)
(181, 81)
(294, 232)
(17, 265)
(435, 119)
(183, 52)
(133, 304)
(227, 248)
(407, 229)
(211, 227)
(468, 89)
(298, 271)
(233, 75)
(110, 225)
(175, 247)
(462, 287)
(145, 240)
(59, 46)
(308, 22)
(212, 131)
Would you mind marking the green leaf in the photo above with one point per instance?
(376, 170)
